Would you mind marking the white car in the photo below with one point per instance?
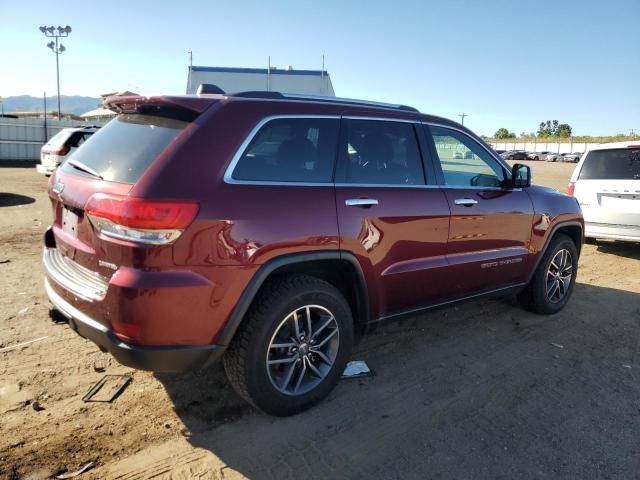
(606, 183)
(537, 155)
(554, 157)
(61, 146)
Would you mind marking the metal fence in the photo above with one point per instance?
(22, 138)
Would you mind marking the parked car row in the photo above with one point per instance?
(546, 156)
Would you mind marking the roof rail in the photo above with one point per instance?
(259, 94)
(319, 98)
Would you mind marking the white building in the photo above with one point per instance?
(233, 80)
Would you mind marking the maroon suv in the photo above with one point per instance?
(269, 231)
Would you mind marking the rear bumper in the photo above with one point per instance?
(628, 233)
(44, 170)
(154, 358)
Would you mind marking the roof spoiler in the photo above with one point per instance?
(135, 103)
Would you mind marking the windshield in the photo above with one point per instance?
(617, 164)
(122, 150)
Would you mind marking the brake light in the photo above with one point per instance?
(62, 151)
(571, 188)
(155, 222)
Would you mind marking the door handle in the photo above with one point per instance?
(467, 202)
(361, 202)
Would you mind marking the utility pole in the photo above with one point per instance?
(462, 115)
(269, 73)
(322, 77)
(57, 49)
(632, 132)
(190, 69)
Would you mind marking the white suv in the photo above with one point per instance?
(61, 146)
(606, 183)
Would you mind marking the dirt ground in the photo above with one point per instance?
(483, 390)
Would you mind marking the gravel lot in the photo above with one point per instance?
(483, 390)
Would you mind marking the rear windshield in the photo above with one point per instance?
(123, 149)
(618, 164)
(59, 138)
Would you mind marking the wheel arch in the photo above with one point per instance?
(340, 269)
(573, 229)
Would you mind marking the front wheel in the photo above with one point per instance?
(292, 347)
(552, 283)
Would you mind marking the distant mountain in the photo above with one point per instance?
(68, 104)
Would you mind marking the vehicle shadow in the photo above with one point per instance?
(14, 199)
(621, 249)
(482, 390)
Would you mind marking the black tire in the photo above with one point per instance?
(245, 361)
(534, 297)
(536, 158)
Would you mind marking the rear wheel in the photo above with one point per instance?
(292, 347)
(552, 284)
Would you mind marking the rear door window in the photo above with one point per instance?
(380, 152)
(124, 148)
(291, 150)
(614, 164)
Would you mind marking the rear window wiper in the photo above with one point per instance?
(84, 168)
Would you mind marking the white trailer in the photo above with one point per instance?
(234, 80)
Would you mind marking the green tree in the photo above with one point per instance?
(563, 130)
(503, 133)
(553, 128)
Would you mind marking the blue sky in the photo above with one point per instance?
(505, 63)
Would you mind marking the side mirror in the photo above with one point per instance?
(520, 176)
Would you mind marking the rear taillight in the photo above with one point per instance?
(571, 188)
(154, 222)
(62, 151)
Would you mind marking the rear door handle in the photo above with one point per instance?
(467, 202)
(361, 202)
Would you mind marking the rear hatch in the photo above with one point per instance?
(608, 186)
(97, 225)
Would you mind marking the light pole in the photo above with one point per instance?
(57, 49)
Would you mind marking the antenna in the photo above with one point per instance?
(462, 115)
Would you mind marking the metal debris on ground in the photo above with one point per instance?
(356, 369)
(64, 476)
(557, 345)
(23, 344)
(121, 382)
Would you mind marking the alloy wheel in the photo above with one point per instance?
(559, 275)
(302, 350)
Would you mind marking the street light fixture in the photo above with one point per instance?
(56, 48)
